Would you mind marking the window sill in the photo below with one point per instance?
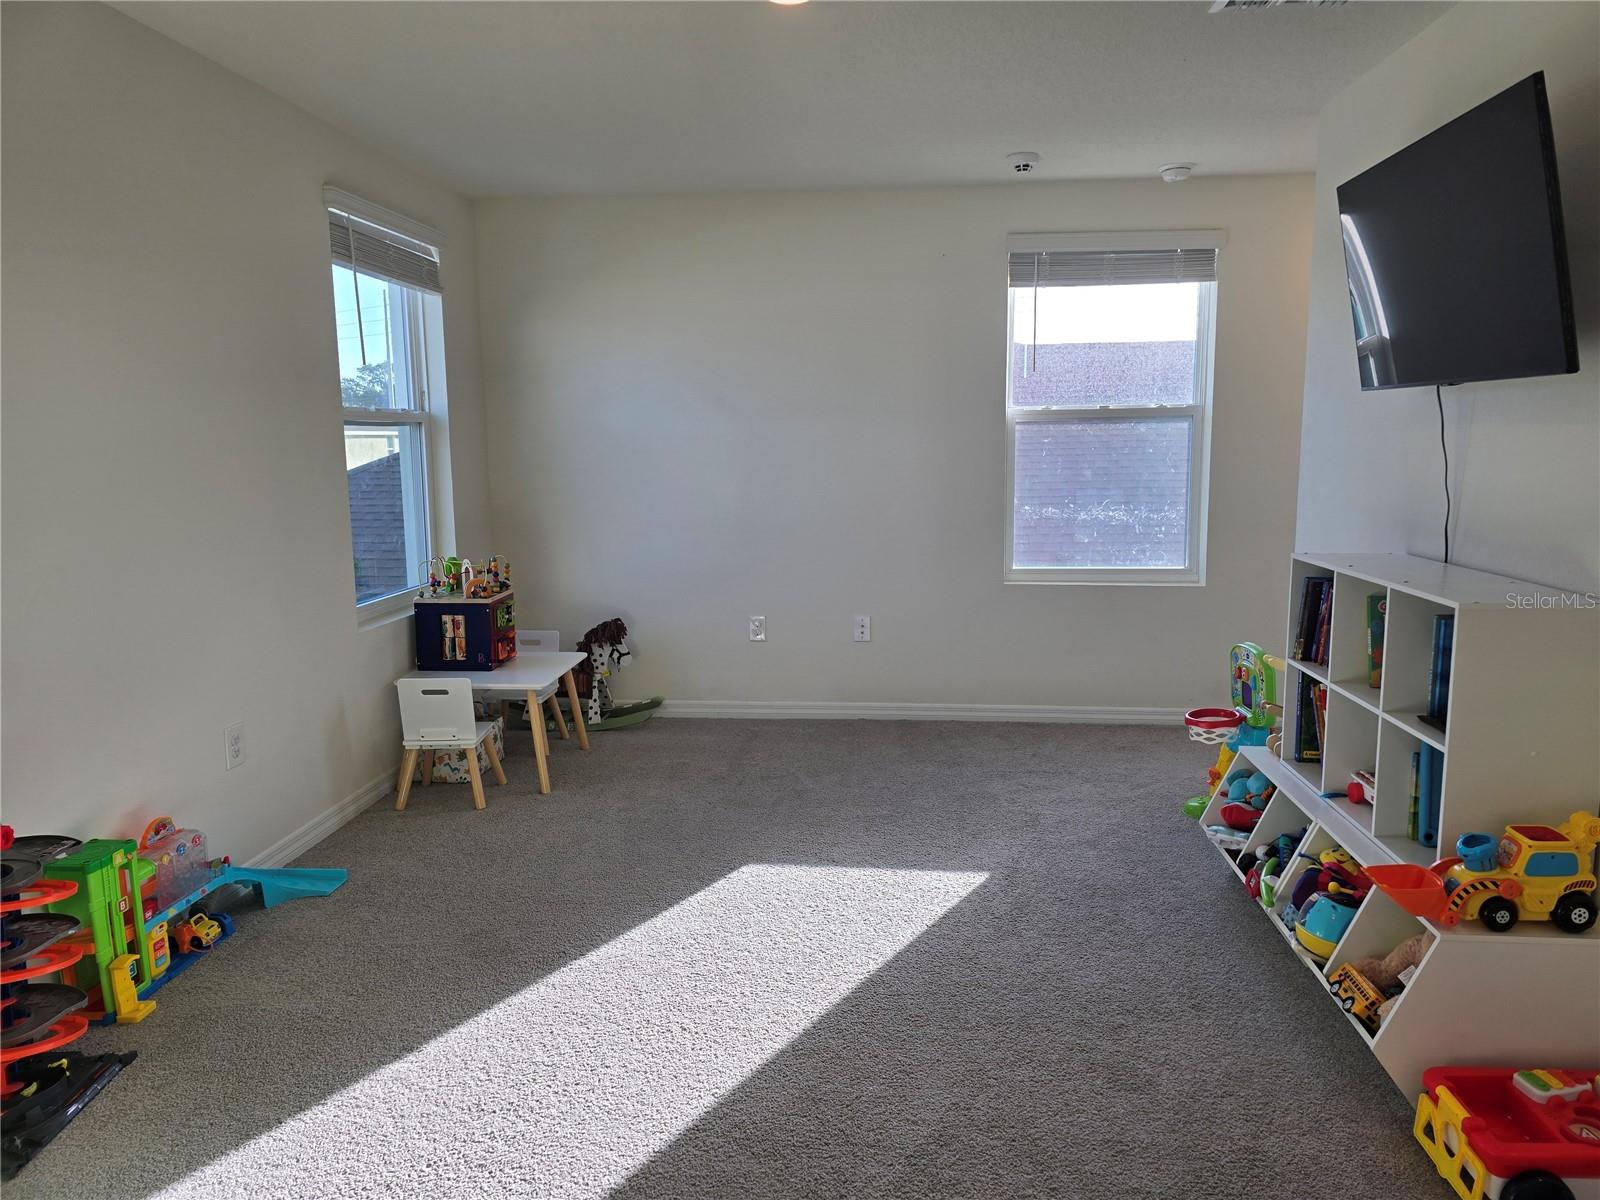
(385, 611)
(1092, 578)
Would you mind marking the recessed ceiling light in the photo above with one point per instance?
(790, 3)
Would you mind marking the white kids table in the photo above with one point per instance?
(528, 674)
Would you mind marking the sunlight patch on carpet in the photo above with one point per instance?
(567, 1087)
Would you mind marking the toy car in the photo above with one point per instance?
(1498, 1134)
(1356, 995)
(199, 932)
(1534, 873)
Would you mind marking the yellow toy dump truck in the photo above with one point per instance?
(1533, 873)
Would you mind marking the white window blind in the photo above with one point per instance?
(1095, 268)
(378, 249)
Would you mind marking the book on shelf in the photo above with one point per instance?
(1319, 653)
(1444, 627)
(1298, 651)
(1430, 782)
(1413, 813)
(1377, 611)
(1309, 716)
(1316, 604)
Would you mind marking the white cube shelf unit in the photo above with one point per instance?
(1521, 741)
(1521, 744)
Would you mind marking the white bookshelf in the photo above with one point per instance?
(1521, 744)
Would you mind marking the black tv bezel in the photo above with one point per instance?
(1558, 239)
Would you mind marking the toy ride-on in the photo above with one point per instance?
(1532, 873)
(1498, 1134)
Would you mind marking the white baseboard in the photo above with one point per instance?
(324, 823)
(876, 711)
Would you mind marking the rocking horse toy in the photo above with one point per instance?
(607, 650)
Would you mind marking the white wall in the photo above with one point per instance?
(1524, 454)
(176, 531)
(791, 404)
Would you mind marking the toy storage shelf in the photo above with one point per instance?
(1496, 999)
(1519, 740)
(1519, 745)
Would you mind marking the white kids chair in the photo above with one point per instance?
(542, 641)
(437, 714)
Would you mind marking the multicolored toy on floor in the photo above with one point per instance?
(1498, 1134)
(1253, 720)
(140, 903)
(43, 1086)
(1531, 872)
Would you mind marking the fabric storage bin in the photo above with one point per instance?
(450, 766)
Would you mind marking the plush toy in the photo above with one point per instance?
(1385, 972)
(1248, 793)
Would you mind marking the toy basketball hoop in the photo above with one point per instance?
(1212, 726)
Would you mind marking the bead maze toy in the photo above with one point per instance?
(44, 1086)
(1252, 721)
(473, 626)
(1499, 1134)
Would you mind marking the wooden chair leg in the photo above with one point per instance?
(494, 760)
(408, 764)
(577, 710)
(427, 767)
(561, 722)
(541, 752)
(477, 779)
(505, 715)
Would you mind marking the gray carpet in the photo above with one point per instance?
(761, 959)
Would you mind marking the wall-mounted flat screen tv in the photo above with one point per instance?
(1455, 253)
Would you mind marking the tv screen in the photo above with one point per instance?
(1455, 253)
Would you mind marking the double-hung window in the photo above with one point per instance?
(1108, 400)
(386, 302)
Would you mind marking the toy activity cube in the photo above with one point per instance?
(460, 633)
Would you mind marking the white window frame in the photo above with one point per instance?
(419, 543)
(423, 321)
(1197, 414)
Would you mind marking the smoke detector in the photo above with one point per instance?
(1023, 161)
(1176, 172)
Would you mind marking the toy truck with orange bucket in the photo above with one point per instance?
(1533, 872)
(1498, 1134)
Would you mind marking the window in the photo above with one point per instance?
(386, 305)
(1108, 395)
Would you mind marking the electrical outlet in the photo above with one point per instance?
(233, 742)
(863, 629)
(758, 629)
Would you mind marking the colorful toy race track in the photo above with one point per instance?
(42, 1090)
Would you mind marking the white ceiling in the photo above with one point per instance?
(546, 98)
